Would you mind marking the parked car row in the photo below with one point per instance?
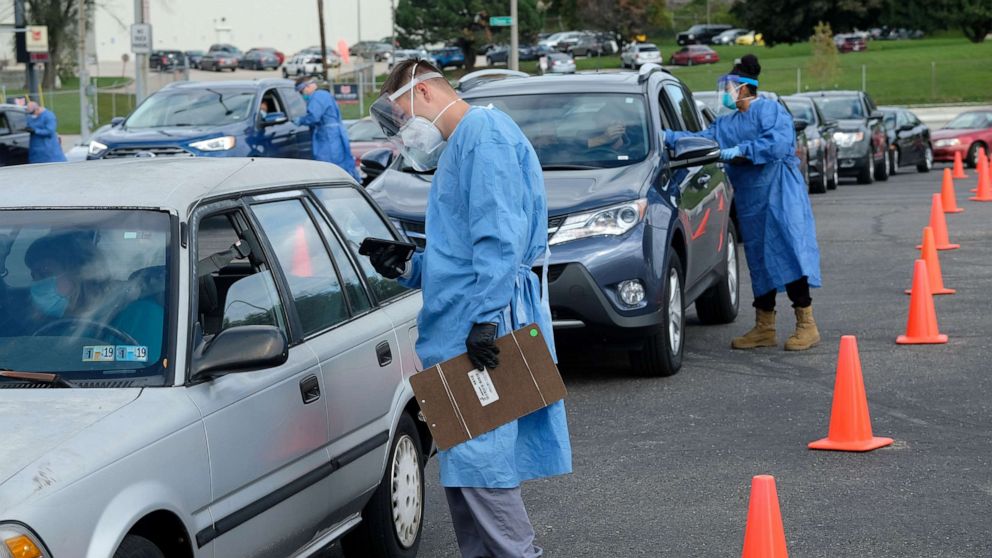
(579, 43)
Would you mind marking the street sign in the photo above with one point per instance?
(346, 93)
(36, 39)
(141, 38)
(500, 21)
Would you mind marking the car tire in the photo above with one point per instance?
(389, 531)
(820, 186)
(927, 163)
(972, 159)
(134, 546)
(834, 178)
(689, 63)
(720, 303)
(882, 170)
(894, 162)
(285, 74)
(867, 173)
(661, 354)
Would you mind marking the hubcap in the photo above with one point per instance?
(732, 269)
(895, 161)
(674, 311)
(929, 158)
(407, 492)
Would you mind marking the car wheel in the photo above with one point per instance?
(134, 546)
(285, 74)
(689, 63)
(820, 186)
(392, 521)
(894, 162)
(661, 354)
(867, 174)
(882, 170)
(834, 179)
(927, 163)
(720, 303)
(973, 153)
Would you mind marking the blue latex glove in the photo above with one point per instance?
(730, 153)
(664, 138)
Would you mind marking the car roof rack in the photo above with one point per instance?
(644, 74)
(468, 81)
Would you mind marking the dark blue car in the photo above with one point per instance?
(637, 234)
(448, 57)
(211, 119)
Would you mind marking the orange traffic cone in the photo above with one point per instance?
(947, 197)
(302, 266)
(958, 166)
(764, 536)
(921, 327)
(984, 191)
(850, 425)
(981, 167)
(939, 225)
(929, 254)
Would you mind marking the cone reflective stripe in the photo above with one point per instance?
(921, 326)
(928, 252)
(947, 197)
(764, 536)
(984, 191)
(850, 423)
(958, 166)
(939, 225)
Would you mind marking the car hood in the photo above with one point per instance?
(852, 124)
(37, 421)
(945, 133)
(120, 135)
(404, 195)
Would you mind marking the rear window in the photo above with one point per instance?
(840, 108)
(647, 48)
(801, 110)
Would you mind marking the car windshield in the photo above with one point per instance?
(580, 129)
(801, 110)
(84, 293)
(365, 130)
(840, 108)
(970, 120)
(203, 107)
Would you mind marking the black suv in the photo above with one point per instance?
(701, 34)
(14, 137)
(860, 135)
(637, 234)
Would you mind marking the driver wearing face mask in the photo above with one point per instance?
(57, 288)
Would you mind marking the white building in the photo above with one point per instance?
(287, 25)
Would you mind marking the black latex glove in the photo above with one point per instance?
(481, 345)
(29, 129)
(388, 264)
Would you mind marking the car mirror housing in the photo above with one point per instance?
(876, 115)
(800, 124)
(116, 121)
(375, 162)
(273, 118)
(239, 349)
(693, 151)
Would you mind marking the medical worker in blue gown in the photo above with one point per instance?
(758, 140)
(486, 230)
(330, 138)
(44, 146)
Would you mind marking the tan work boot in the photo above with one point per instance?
(761, 335)
(806, 335)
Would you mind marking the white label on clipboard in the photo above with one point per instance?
(484, 388)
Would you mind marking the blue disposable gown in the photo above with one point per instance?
(330, 139)
(44, 146)
(487, 224)
(772, 198)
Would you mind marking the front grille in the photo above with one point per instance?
(417, 231)
(157, 151)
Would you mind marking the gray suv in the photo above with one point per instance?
(196, 362)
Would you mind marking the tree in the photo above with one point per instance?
(792, 21)
(61, 18)
(824, 64)
(625, 18)
(974, 17)
(463, 23)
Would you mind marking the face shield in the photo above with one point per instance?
(418, 138)
(730, 88)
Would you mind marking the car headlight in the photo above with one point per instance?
(17, 541)
(947, 142)
(96, 148)
(222, 143)
(611, 221)
(814, 144)
(847, 139)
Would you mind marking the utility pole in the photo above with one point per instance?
(514, 37)
(323, 40)
(392, 12)
(359, 3)
(140, 59)
(84, 80)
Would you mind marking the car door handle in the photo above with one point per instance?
(384, 353)
(310, 389)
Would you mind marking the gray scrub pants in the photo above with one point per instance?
(491, 523)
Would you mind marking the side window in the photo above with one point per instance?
(295, 105)
(313, 282)
(357, 220)
(669, 99)
(687, 107)
(4, 127)
(18, 120)
(357, 295)
(271, 103)
(234, 285)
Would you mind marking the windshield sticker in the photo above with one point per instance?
(98, 353)
(623, 157)
(628, 100)
(132, 353)
(131, 235)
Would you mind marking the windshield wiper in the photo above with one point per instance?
(568, 167)
(37, 378)
(220, 99)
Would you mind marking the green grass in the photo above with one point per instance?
(65, 103)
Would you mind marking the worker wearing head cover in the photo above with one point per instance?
(330, 139)
(44, 146)
(486, 228)
(758, 139)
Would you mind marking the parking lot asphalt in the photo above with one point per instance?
(663, 465)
